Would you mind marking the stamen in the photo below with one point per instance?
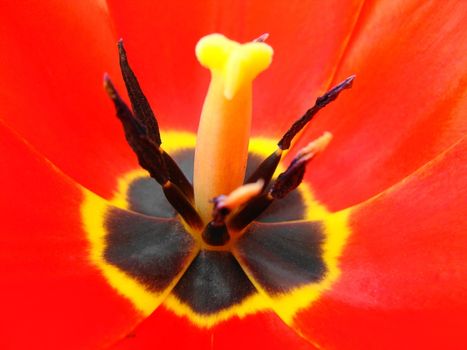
(131, 125)
(320, 103)
(285, 183)
(139, 102)
(291, 178)
(216, 232)
(152, 158)
(267, 168)
(145, 115)
(148, 156)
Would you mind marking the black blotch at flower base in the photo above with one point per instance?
(149, 243)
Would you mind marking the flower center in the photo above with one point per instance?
(282, 261)
(232, 244)
(222, 142)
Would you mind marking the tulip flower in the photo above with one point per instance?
(379, 217)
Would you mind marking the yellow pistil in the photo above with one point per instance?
(224, 128)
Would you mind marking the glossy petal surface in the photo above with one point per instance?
(404, 267)
(163, 329)
(408, 101)
(308, 38)
(51, 293)
(403, 279)
(54, 54)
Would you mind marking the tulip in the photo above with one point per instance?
(390, 189)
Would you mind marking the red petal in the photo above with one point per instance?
(52, 295)
(165, 330)
(407, 104)
(403, 268)
(54, 54)
(308, 38)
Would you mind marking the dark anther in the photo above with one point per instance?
(215, 235)
(321, 102)
(152, 158)
(139, 102)
(289, 179)
(332, 94)
(148, 156)
(131, 125)
(267, 168)
(285, 183)
(144, 114)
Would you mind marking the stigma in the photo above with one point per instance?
(224, 128)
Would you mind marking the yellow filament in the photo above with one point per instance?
(224, 128)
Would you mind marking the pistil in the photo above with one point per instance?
(224, 129)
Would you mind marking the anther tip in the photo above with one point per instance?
(262, 38)
(109, 87)
(345, 84)
(121, 48)
(349, 81)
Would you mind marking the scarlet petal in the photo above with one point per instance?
(165, 330)
(308, 38)
(408, 101)
(403, 271)
(52, 295)
(54, 54)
